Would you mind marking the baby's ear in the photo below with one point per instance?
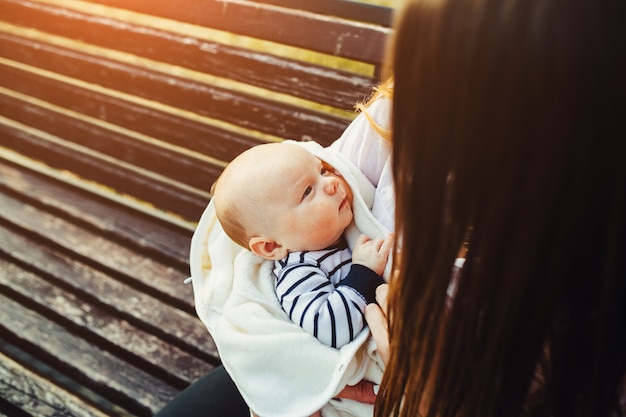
(267, 248)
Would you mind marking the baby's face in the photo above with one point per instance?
(309, 205)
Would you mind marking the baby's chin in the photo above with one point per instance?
(349, 220)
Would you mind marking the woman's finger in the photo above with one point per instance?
(381, 298)
(377, 322)
(363, 392)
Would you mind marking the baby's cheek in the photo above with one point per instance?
(323, 224)
(326, 227)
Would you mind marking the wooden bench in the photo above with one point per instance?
(116, 116)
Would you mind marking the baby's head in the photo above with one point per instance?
(278, 198)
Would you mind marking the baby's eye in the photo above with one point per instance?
(307, 192)
(324, 170)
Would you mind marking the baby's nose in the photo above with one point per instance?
(332, 183)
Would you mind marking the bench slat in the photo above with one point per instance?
(347, 9)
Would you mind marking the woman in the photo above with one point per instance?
(508, 132)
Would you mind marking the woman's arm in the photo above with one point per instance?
(376, 316)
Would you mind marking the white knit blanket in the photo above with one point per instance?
(280, 370)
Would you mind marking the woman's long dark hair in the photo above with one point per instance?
(509, 131)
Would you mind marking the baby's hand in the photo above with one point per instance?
(372, 253)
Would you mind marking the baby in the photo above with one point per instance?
(286, 205)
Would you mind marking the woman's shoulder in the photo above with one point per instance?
(362, 143)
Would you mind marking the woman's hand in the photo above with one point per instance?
(364, 392)
(376, 316)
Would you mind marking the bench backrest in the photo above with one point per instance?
(151, 98)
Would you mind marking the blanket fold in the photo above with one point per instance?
(280, 370)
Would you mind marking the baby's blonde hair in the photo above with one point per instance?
(229, 216)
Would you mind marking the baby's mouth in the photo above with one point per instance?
(343, 204)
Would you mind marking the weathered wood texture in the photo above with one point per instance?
(95, 291)
(116, 116)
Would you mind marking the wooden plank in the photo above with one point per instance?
(242, 109)
(31, 395)
(346, 9)
(94, 323)
(171, 316)
(151, 236)
(305, 80)
(150, 187)
(180, 131)
(338, 37)
(120, 381)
